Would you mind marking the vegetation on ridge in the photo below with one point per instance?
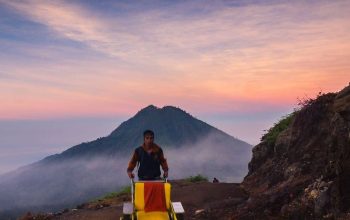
(111, 195)
(271, 135)
(197, 178)
(307, 106)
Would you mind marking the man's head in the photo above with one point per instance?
(148, 137)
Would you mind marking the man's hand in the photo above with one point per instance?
(165, 175)
(131, 175)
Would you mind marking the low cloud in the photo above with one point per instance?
(50, 186)
(214, 156)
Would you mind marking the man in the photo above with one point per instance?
(149, 157)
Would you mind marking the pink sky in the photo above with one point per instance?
(224, 62)
(227, 59)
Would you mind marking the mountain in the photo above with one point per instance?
(173, 127)
(91, 169)
(301, 168)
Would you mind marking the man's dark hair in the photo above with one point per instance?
(148, 132)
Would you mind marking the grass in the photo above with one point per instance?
(271, 135)
(111, 195)
(127, 189)
(197, 178)
(309, 108)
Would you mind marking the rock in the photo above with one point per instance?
(27, 216)
(328, 216)
(284, 210)
(198, 211)
(57, 213)
(309, 158)
(321, 201)
(322, 184)
(314, 194)
(81, 206)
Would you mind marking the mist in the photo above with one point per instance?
(212, 157)
(25, 141)
(53, 186)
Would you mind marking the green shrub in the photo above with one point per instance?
(197, 178)
(271, 135)
(124, 190)
(111, 195)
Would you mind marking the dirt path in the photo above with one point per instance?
(207, 199)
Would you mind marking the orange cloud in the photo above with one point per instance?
(228, 59)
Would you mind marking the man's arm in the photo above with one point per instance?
(164, 164)
(132, 164)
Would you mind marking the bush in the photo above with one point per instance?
(197, 178)
(124, 190)
(309, 111)
(271, 135)
(111, 195)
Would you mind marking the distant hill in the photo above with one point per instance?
(173, 127)
(91, 169)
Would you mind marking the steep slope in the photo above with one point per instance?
(94, 168)
(301, 169)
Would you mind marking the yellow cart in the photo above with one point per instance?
(135, 210)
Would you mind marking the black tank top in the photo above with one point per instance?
(149, 164)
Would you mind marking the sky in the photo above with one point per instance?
(72, 71)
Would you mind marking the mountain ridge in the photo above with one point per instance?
(128, 128)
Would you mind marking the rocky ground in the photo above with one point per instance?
(201, 200)
(301, 169)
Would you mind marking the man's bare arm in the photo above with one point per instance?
(164, 164)
(132, 164)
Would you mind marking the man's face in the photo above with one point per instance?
(148, 139)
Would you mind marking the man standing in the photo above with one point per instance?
(149, 157)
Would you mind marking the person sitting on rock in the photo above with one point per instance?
(149, 158)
